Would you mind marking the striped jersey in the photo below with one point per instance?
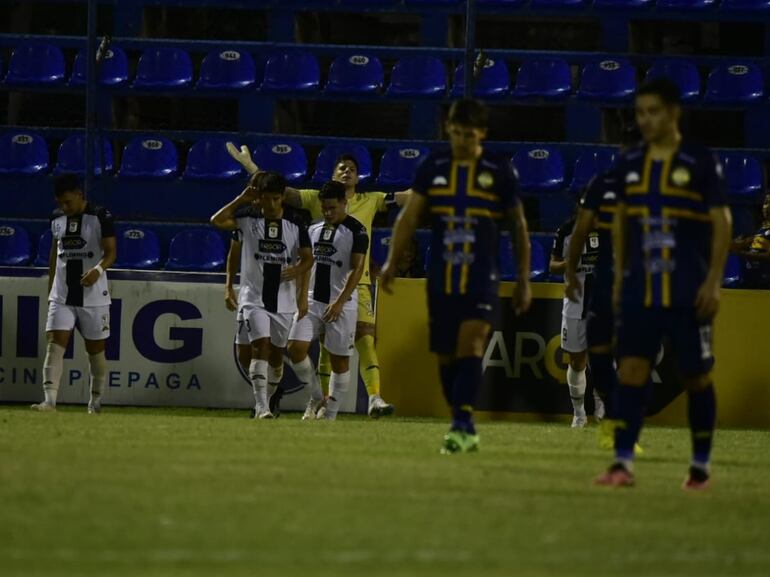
(333, 247)
(585, 268)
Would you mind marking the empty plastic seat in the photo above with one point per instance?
(380, 244)
(493, 80)
(622, 3)
(227, 70)
(558, 3)
(732, 274)
(149, 158)
(324, 164)
(589, 164)
(163, 68)
(15, 246)
(137, 247)
(541, 169)
(209, 160)
(23, 153)
(291, 71)
(43, 248)
(686, 4)
(744, 218)
(608, 80)
(502, 3)
(683, 73)
(743, 175)
(745, 5)
(734, 84)
(288, 158)
(554, 208)
(418, 76)
(543, 79)
(113, 69)
(507, 260)
(398, 165)
(197, 250)
(355, 74)
(36, 64)
(71, 156)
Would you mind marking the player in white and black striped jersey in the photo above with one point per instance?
(275, 252)
(83, 248)
(340, 243)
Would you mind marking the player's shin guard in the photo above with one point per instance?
(98, 366)
(338, 388)
(702, 409)
(467, 380)
(274, 376)
(368, 364)
(605, 380)
(53, 366)
(630, 412)
(447, 373)
(324, 369)
(258, 376)
(307, 377)
(576, 380)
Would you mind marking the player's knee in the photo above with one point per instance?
(297, 352)
(340, 364)
(364, 330)
(577, 361)
(261, 349)
(697, 383)
(61, 338)
(634, 372)
(600, 350)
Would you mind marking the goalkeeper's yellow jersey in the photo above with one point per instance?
(363, 207)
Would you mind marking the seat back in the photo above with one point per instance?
(15, 246)
(197, 250)
(324, 165)
(358, 73)
(137, 248)
(71, 155)
(681, 72)
(288, 158)
(541, 169)
(163, 68)
(492, 80)
(36, 64)
(208, 159)
(608, 80)
(227, 69)
(735, 84)
(418, 76)
(149, 158)
(44, 248)
(588, 164)
(399, 164)
(23, 153)
(291, 71)
(113, 68)
(549, 78)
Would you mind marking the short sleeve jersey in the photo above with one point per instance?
(585, 268)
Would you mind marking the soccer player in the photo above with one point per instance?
(340, 244)
(574, 312)
(363, 207)
(83, 248)
(275, 252)
(671, 238)
(469, 193)
(755, 250)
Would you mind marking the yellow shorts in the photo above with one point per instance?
(365, 307)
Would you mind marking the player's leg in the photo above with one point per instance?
(280, 326)
(339, 341)
(257, 322)
(368, 362)
(573, 339)
(339, 384)
(58, 327)
(94, 325)
(301, 335)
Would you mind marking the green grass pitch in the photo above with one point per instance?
(156, 492)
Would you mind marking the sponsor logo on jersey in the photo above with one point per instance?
(486, 180)
(73, 243)
(440, 181)
(681, 176)
(326, 250)
(272, 231)
(610, 196)
(73, 226)
(593, 240)
(327, 234)
(271, 246)
(632, 177)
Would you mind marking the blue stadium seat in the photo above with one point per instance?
(163, 68)
(502, 3)
(739, 5)
(227, 70)
(682, 72)
(71, 156)
(398, 165)
(538, 265)
(734, 84)
(15, 246)
(732, 273)
(541, 169)
(431, 2)
(291, 71)
(621, 4)
(36, 64)
(608, 80)
(543, 79)
(113, 71)
(686, 4)
(380, 244)
(507, 260)
(196, 250)
(744, 177)
(288, 158)
(209, 160)
(23, 153)
(589, 164)
(149, 158)
(358, 73)
(493, 80)
(554, 208)
(324, 164)
(418, 76)
(137, 248)
(744, 218)
(43, 249)
(558, 3)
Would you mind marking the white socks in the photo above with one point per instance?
(576, 380)
(98, 365)
(338, 388)
(53, 366)
(274, 377)
(307, 376)
(258, 376)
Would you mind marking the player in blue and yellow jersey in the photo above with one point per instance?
(671, 237)
(469, 193)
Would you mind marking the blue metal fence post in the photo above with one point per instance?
(91, 95)
(470, 47)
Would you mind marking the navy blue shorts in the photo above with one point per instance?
(447, 312)
(641, 332)
(601, 323)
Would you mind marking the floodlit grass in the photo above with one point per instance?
(155, 492)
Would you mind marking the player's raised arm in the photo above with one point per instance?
(516, 224)
(403, 231)
(242, 156)
(584, 223)
(225, 217)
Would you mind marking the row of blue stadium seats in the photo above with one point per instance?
(167, 68)
(541, 168)
(736, 5)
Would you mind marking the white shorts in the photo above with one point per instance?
(340, 335)
(256, 323)
(241, 337)
(93, 322)
(573, 335)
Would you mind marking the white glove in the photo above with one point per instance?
(242, 156)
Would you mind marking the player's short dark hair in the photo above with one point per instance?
(346, 158)
(332, 190)
(66, 183)
(664, 88)
(268, 181)
(469, 112)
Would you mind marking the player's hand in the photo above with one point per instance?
(290, 273)
(230, 301)
(522, 297)
(707, 300)
(572, 289)
(332, 312)
(242, 155)
(90, 277)
(387, 274)
(302, 308)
